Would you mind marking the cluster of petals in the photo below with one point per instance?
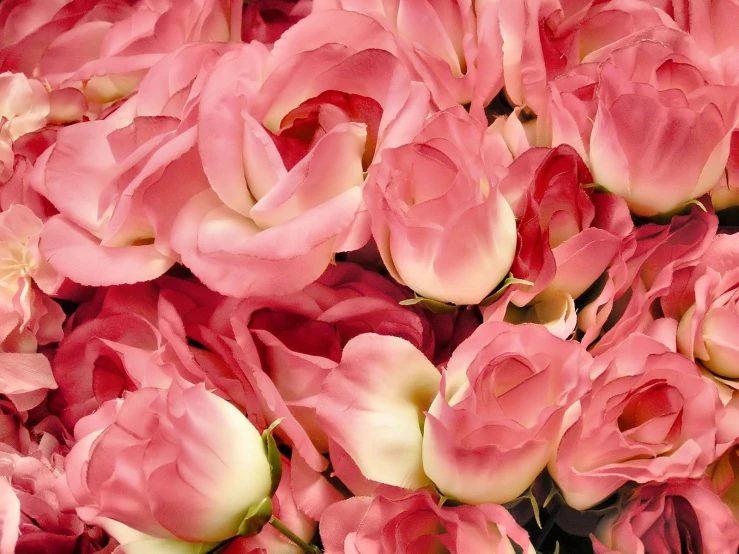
(369, 276)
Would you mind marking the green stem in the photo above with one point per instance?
(282, 528)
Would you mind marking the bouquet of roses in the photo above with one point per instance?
(369, 276)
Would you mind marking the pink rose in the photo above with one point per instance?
(439, 220)
(175, 464)
(659, 80)
(493, 426)
(723, 478)
(487, 427)
(17, 189)
(293, 160)
(395, 521)
(707, 330)
(648, 416)
(112, 180)
(104, 48)
(679, 516)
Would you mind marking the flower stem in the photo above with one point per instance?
(282, 528)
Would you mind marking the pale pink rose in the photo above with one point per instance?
(294, 159)
(372, 405)
(679, 516)
(544, 39)
(288, 345)
(266, 20)
(658, 80)
(648, 416)
(396, 521)
(438, 218)
(472, 450)
(495, 423)
(708, 328)
(455, 48)
(175, 464)
(112, 229)
(105, 48)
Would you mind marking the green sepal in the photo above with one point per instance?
(528, 495)
(699, 204)
(274, 458)
(596, 187)
(256, 517)
(510, 280)
(431, 305)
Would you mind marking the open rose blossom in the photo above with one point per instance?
(98, 174)
(494, 424)
(491, 422)
(438, 218)
(649, 416)
(679, 516)
(395, 522)
(174, 464)
(292, 159)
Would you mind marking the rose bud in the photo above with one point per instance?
(293, 159)
(439, 220)
(658, 81)
(180, 464)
